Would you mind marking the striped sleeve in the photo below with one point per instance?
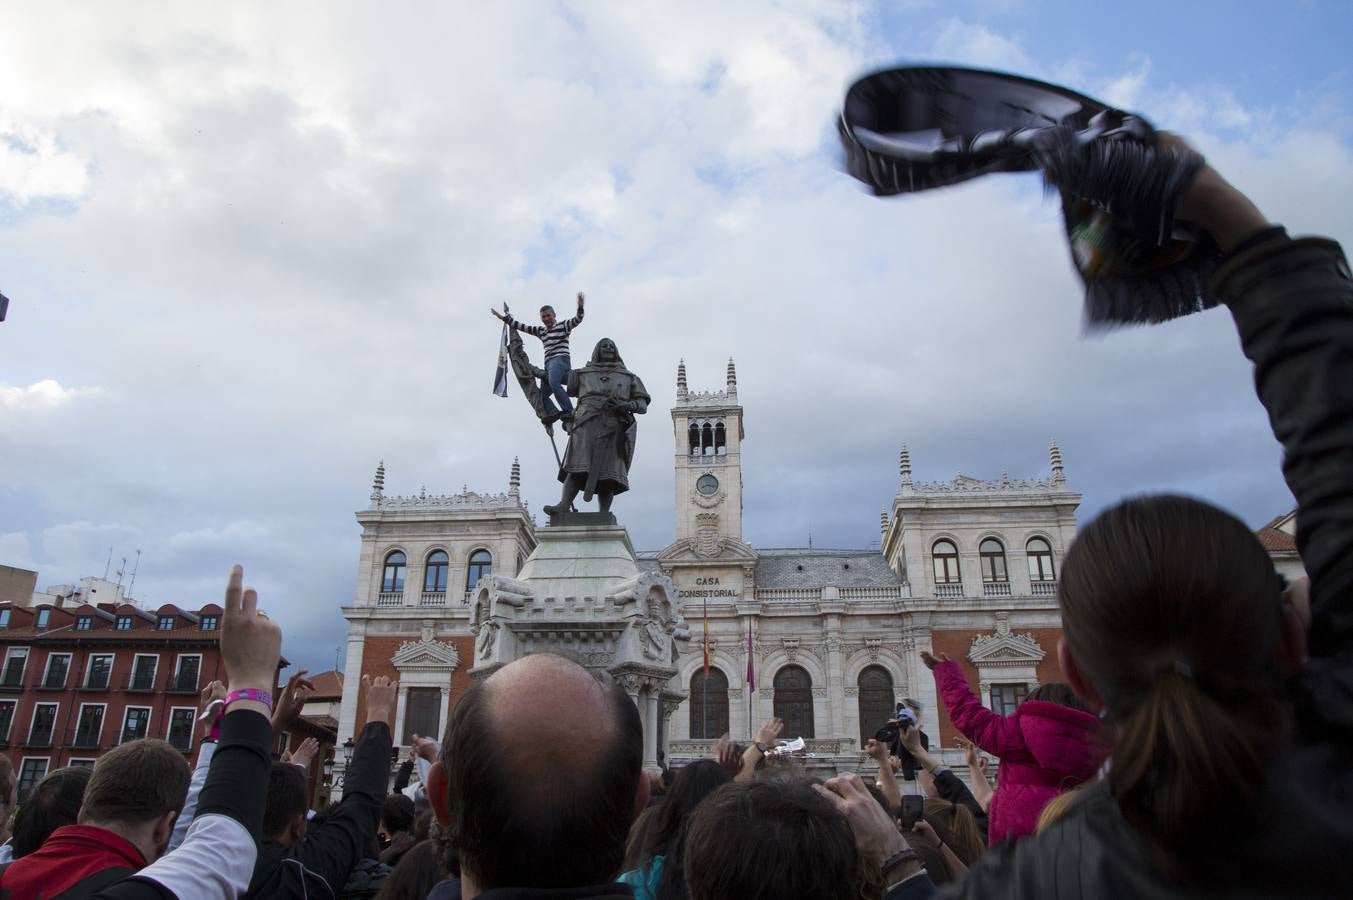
(537, 330)
(574, 322)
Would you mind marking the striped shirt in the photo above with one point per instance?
(555, 339)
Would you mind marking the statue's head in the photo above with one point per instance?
(606, 353)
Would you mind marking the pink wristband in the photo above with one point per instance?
(215, 733)
(250, 694)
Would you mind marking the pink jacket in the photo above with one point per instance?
(1045, 749)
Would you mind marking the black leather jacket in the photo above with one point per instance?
(1292, 301)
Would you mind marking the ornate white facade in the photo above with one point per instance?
(832, 636)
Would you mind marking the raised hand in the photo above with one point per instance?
(251, 643)
(930, 661)
(380, 697)
(728, 754)
(303, 754)
(424, 747)
(876, 835)
(877, 750)
(497, 315)
(769, 731)
(291, 700)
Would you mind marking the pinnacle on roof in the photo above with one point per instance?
(904, 464)
(732, 377)
(682, 392)
(883, 521)
(514, 480)
(378, 483)
(1055, 457)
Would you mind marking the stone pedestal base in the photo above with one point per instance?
(581, 594)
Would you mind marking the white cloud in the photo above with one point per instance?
(34, 167)
(41, 395)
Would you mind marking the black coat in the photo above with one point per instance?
(317, 867)
(1293, 303)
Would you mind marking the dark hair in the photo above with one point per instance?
(540, 828)
(422, 826)
(53, 803)
(1171, 608)
(1058, 692)
(955, 825)
(286, 798)
(136, 782)
(397, 814)
(419, 869)
(666, 833)
(547, 306)
(770, 838)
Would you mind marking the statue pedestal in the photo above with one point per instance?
(582, 595)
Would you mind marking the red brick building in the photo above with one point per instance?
(77, 678)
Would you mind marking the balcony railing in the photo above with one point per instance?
(469, 595)
(96, 683)
(40, 738)
(86, 740)
(12, 681)
(141, 682)
(52, 683)
(995, 589)
(390, 598)
(948, 591)
(182, 741)
(182, 684)
(432, 598)
(1043, 588)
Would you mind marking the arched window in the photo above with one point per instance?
(434, 572)
(392, 581)
(794, 702)
(693, 434)
(1040, 560)
(993, 561)
(876, 701)
(945, 557)
(709, 704)
(720, 439)
(481, 564)
(706, 439)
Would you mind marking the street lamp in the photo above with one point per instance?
(345, 756)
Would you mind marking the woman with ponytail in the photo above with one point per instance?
(1226, 698)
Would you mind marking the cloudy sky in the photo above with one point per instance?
(250, 252)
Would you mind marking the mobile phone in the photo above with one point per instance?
(913, 807)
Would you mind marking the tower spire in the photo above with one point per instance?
(682, 392)
(1055, 457)
(514, 480)
(904, 464)
(378, 484)
(883, 521)
(732, 377)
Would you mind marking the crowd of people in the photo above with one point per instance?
(1201, 746)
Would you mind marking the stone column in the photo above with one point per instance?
(835, 672)
(445, 717)
(401, 706)
(352, 681)
(650, 717)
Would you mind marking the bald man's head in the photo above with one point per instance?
(543, 766)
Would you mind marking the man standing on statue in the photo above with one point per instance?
(601, 441)
(554, 335)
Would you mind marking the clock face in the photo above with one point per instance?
(707, 485)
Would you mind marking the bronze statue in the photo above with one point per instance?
(601, 439)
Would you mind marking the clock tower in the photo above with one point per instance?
(708, 428)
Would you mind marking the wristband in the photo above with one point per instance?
(897, 860)
(250, 694)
